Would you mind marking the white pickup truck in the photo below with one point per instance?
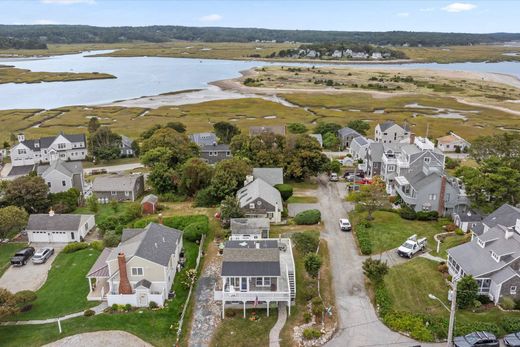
(411, 246)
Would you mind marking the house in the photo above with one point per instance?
(389, 132)
(346, 135)
(127, 148)
(249, 228)
(204, 139)
(118, 187)
(149, 204)
(466, 220)
(358, 147)
(318, 138)
(492, 257)
(259, 199)
(214, 153)
(376, 55)
(256, 274)
(452, 143)
(374, 158)
(64, 146)
(140, 270)
(59, 228)
(271, 175)
(61, 176)
(273, 129)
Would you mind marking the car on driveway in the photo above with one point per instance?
(512, 340)
(42, 255)
(333, 177)
(344, 225)
(477, 339)
(21, 257)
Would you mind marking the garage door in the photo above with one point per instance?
(59, 236)
(39, 236)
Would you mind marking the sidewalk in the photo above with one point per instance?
(274, 334)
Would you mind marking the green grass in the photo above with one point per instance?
(119, 161)
(105, 211)
(15, 75)
(449, 242)
(66, 288)
(239, 332)
(6, 252)
(311, 184)
(302, 200)
(389, 230)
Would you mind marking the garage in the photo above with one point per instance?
(48, 236)
(39, 236)
(59, 228)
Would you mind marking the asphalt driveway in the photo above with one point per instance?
(30, 276)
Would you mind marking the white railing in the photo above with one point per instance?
(251, 296)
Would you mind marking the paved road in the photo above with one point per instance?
(114, 168)
(358, 323)
(113, 338)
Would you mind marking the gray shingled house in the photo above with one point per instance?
(214, 153)
(346, 135)
(259, 199)
(271, 175)
(204, 139)
(118, 187)
(257, 273)
(249, 228)
(492, 256)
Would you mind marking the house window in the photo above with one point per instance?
(432, 197)
(252, 206)
(481, 243)
(21, 151)
(61, 146)
(228, 154)
(512, 290)
(49, 184)
(495, 256)
(113, 193)
(270, 215)
(72, 235)
(263, 281)
(391, 168)
(137, 271)
(427, 160)
(127, 193)
(63, 183)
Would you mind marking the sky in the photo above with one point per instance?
(348, 15)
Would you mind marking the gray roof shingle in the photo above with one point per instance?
(251, 258)
(259, 189)
(249, 225)
(203, 139)
(61, 222)
(68, 168)
(115, 183)
(45, 142)
(273, 176)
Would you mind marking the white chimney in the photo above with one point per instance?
(21, 137)
(249, 179)
(51, 212)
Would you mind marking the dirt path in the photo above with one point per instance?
(112, 338)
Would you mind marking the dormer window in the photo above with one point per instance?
(495, 256)
(427, 160)
(481, 243)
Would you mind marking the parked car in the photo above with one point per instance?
(344, 224)
(411, 246)
(477, 339)
(333, 177)
(21, 257)
(42, 255)
(512, 340)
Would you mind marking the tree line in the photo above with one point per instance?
(21, 43)
(92, 34)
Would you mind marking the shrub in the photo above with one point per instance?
(296, 128)
(407, 213)
(375, 269)
(310, 290)
(464, 329)
(451, 227)
(26, 308)
(97, 245)
(427, 215)
(153, 305)
(484, 299)
(75, 246)
(25, 296)
(307, 317)
(467, 289)
(510, 324)
(459, 231)
(477, 304)
(141, 223)
(194, 231)
(308, 217)
(365, 244)
(115, 307)
(111, 239)
(383, 300)
(507, 303)
(128, 307)
(205, 198)
(306, 242)
(311, 334)
(89, 313)
(312, 264)
(365, 223)
(442, 268)
(409, 323)
(286, 190)
(317, 306)
(181, 222)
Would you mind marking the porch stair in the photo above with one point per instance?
(292, 285)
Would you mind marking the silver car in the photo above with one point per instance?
(42, 255)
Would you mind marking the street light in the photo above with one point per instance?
(453, 285)
(433, 297)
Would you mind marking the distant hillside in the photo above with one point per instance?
(14, 43)
(91, 34)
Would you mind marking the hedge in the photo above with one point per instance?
(410, 214)
(365, 244)
(25, 296)
(181, 222)
(286, 190)
(74, 247)
(194, 231)
(308, 217)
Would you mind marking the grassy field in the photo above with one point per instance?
(6, 252)
(389, 230)
(66, 288)
(449, 242)
(14, 75)
(452, 54)
(302, 200)
(105, 211)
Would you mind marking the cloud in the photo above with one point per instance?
(44, 21)
(403, 14)
(68, 2)
(211, 18)
(427, 9)
(459, 7)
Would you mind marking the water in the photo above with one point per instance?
(146, 76)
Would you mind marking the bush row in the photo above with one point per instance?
(408, 213)
(365, 244)
(308, 217)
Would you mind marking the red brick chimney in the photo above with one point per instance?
(442, 193)
(412, 138)
(124, 284)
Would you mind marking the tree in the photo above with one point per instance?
(8, 304)
(263, 150)
(92, 203)
(331, 141)
(177, 126)
(150, 131)
(180, 146)
(375, 270)
(306, 242)
(12, 220)
(230, 208)
(304, 158)
(225, 131)
(136, 148)
(467, 291)
(162, 178)
(93, 125)
(105, 145)
(195, 175)
(229, 176)
(324, 128)
(505, 147)
(312, 264)
(359, 125)
(29, 193)
(333, 166)
(158, 155)
(65, 202)
(297, 128)
(286, 190)
(371, 197)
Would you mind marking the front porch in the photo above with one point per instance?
(99, 288)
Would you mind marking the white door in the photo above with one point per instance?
(142, 300)
(39, 236)
(59, 236)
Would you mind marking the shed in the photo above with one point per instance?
(149, 204)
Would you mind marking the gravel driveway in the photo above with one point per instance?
(358, 324)
(30, 276)
(110, 338)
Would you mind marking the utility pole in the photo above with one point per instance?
(453, 286)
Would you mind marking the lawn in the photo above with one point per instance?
(66, 288)
(106, 210)
(119, 161)
(6, 252)
(239, 332)
(389, 230)
(302, 200)
(449, 242)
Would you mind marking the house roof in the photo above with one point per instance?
(273, 176)
(360, 140)
(249, 225)
(60, 222)
(155, 243)
(275, 129)
(259, 189)
(388, 124)
(450, 139)
(204, 139)
(251, 258)
(318, 137)
(215, 147)
(410, 149)
(503, 275)
(100, 267)
(470, 216)
(126, 141)
(143, 283)
(115, 183)
(505, 215)
(376, 150)
(20, 170)
(150, 198)
(68, 168)
(346, 131)
(45, 142)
